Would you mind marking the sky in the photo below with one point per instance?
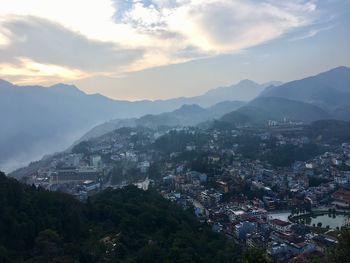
(159, 49)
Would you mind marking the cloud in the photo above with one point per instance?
(208, 28)
(38, 47)
(216, 26)
(27, 71)
(311, 33)
(118, 36)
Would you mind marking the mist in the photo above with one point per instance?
(39, 150)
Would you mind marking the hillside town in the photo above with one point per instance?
(235, 180)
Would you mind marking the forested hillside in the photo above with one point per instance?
(127, 225)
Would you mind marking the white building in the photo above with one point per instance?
(95, 160)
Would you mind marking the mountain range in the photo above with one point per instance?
(186, 115)
(245, 90)
(263, 109)
(38, 120)
(324, 96)
(329, 90)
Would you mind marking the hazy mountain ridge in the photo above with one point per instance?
(187, 115)
(262, 109)
(34, 119)
(39, 120)
(244, 90)
(324, 96)
(329, 90)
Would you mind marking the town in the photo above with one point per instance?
(274, 188)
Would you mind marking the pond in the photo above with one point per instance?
(331, 220)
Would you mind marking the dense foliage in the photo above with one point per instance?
(127, 225)
(287, 154)
(82, 147)
(329, 131)
(177, 141)
(341, 253)
(256, 256)
(262, 109)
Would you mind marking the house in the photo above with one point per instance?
(341, 180)
(244, 228)
(341, 198)
(279, 225)
(222, 186)
(347, 163)
(69, 175)
(336, 161)
(258, 213)
(302, 247)
(210, 197)
(277, 249)
(256, 241)
(144, 166)
(95, 160)
(91, 186)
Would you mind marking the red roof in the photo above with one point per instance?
(342, 195)
(279, 222)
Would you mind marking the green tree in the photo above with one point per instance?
(341, 253)
(255, 256)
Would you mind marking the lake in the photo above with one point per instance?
(331, 220)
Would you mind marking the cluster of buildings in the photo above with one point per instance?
(239, 198)
(234, 194)
(89, 167)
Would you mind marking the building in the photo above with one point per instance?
(258, 213)
(144, 166)
(276, 249)
(72, 160)
(269, 203)
(279, 225)
(244, 228)
(210, 197)
(91, 186)
(256, 241)
(95, 160)
(71, 175)
(222, 186)
(341, 198)
(336, 161)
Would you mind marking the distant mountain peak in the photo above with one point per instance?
(341, 68)
(245, 90)
(5, 84)
(63, 86)
(66, 89)
(337, 70)
(329, 90)
(273, 83)
(247, 82)
(189, 108)
(330, 75)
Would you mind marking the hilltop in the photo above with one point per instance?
(127, 225)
